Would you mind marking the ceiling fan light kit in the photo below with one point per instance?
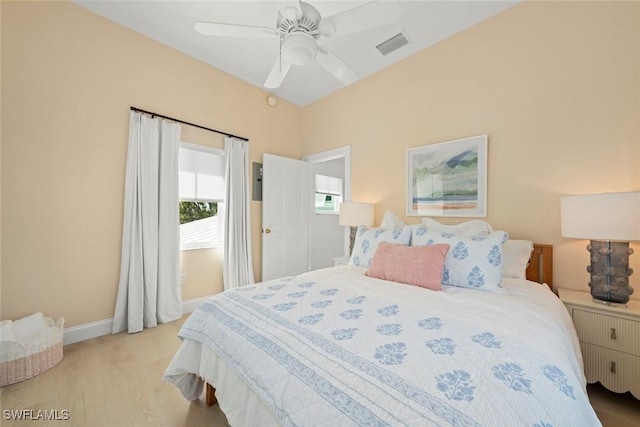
(299, 29)
(299, 49)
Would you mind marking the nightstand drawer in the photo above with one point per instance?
(608, 331)
(619, 372)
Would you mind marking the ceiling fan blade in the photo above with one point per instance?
(290, 9)
(232, 30)
(334, 65)
(277, 74)
(370, 15)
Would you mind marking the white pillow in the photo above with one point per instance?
(25, 327)
(6, 331)
(472, 261)
(368, 239)
(391, 220)
(516, 255)
(468, 228)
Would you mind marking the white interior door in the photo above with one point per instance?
(286, 204)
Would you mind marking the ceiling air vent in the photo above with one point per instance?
(394, 43)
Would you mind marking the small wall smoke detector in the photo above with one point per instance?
(272, 100)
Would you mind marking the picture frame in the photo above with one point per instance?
(448, 178)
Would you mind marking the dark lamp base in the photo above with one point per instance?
(610, 272)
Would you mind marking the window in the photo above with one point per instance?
(201, 193)
(328, 194)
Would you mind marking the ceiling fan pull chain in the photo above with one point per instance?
(280, 54)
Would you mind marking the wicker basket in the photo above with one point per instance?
(21, 361)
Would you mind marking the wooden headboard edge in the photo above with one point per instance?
(540, 267)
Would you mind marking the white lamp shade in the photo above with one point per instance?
(354, 214)
(607, 216)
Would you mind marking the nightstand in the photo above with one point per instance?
(609, 339)
(343, 260)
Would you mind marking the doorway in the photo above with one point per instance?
(328, 239)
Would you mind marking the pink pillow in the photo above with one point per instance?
(413, 265)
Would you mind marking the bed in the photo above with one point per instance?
(337, 347)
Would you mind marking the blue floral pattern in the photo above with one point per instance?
(306, 285)
(487, 339)
(391, 354)
(447, 235)
(495, 256)
(311, 319)
(298, 294)
(344, 334)
(351, 314)
(442, 346)
(542, 424)
(389, 329)
(276, 287)
(420, 230)
(329, 292)
(456, 385)
(557, 377)
(430, 323)
(460, 251)
(391, 310)
(262, 296)
(446, 274)
(285, 306)
(475, 279)
(513, 376)
(321, 304)
(357, 300)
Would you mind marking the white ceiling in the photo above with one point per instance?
(424, 22)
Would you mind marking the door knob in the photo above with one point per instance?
(267, 230)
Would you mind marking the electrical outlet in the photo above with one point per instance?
(183, 279)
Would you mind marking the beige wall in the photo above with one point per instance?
(555, 85)
(68, 79)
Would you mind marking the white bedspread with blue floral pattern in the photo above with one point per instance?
(335, 348)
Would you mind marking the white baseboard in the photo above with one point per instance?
(86, 331)
(191, 305)
(99, 328)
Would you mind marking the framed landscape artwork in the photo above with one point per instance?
(448, 178)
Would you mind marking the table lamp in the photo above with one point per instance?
(610, 221)
(354, 214)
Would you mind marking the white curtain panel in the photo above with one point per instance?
(149, 288)
(238, 267)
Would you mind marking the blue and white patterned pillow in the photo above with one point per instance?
(368, 239)
(472, 261)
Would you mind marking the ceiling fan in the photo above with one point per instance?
(299, 26)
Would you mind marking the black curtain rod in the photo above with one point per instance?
(186, 123)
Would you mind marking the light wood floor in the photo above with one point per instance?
(115, 381)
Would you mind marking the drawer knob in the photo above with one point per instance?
(613, 367)
(613, 334)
